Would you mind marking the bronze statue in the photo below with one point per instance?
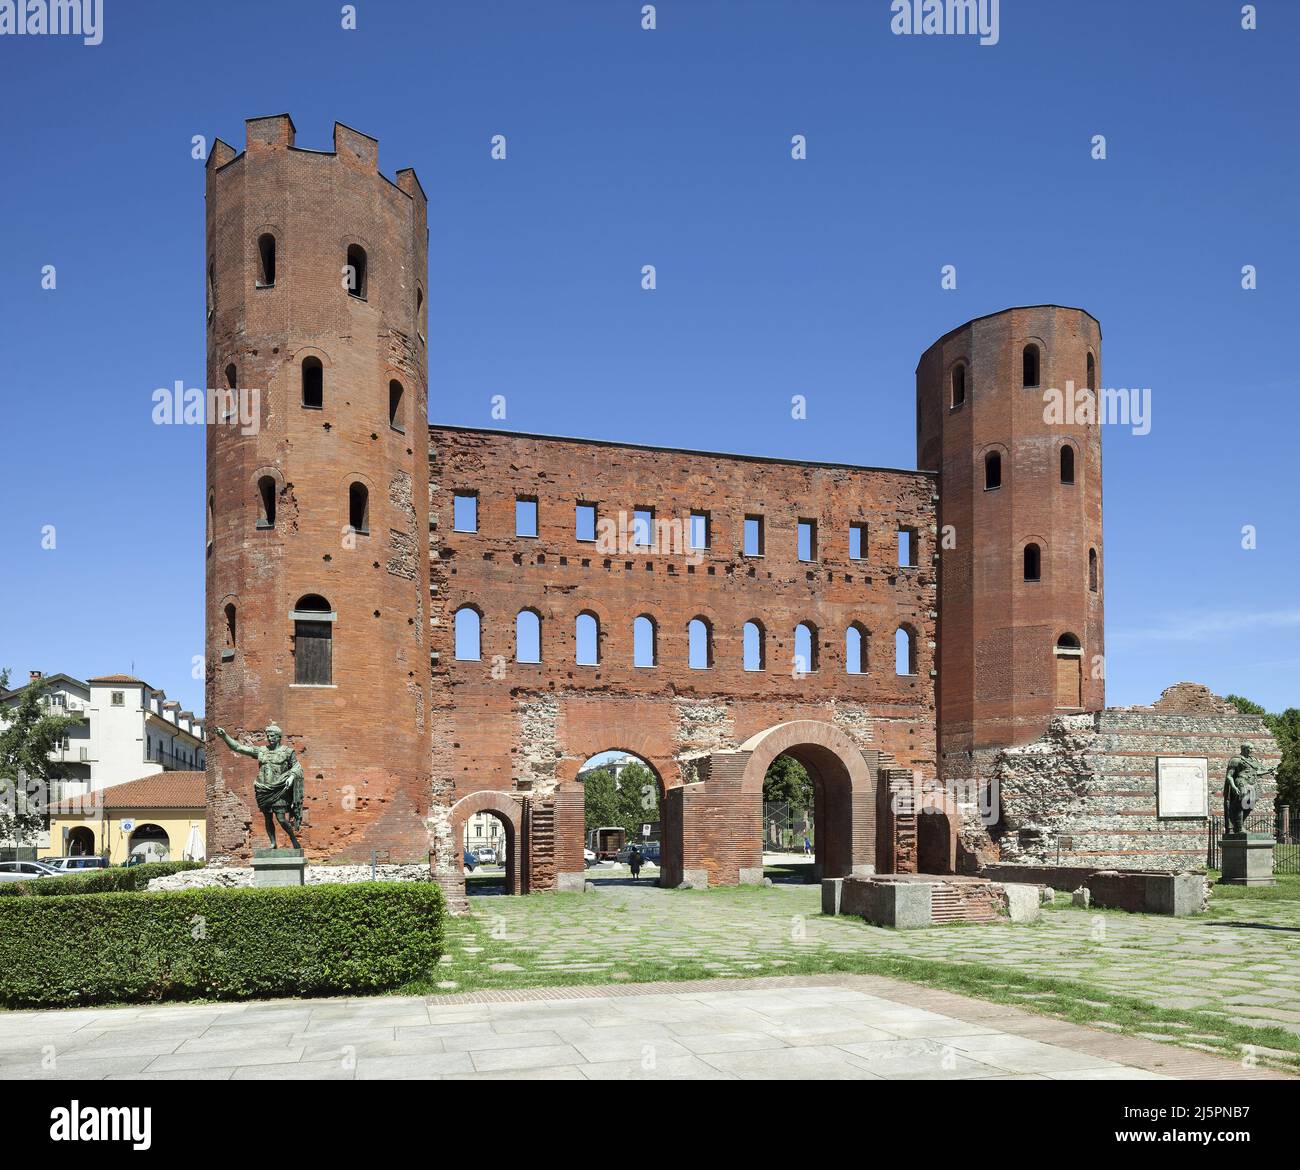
(278, 786)
(1239, 792)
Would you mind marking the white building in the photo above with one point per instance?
(125, 730)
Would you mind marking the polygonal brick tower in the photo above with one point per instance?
(317, 567)
(1020, 565)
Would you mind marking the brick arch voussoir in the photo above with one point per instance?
(767, 745)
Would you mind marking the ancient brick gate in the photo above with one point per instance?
(713, 829)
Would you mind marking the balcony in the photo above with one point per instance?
(172, 762)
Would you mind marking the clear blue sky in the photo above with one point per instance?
(775, 277)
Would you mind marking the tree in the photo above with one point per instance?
(629, 802)
(28, 736)
(1286, 730)
(787, 781)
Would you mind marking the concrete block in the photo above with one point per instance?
(831, 891)
(570, 883)
(695, 879)
(1178, 893)
(902, 905)
(1023, 902)
(1246, 860)
(1082, 897)
(279, 867)
(751, 875)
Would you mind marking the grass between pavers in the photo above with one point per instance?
(463, 970)
(1286, 889)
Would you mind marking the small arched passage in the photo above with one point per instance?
(844, 787)
(936, 834)
(81, 842)
(622, 794)
(510, 813)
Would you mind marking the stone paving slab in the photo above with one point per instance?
(824, 1027)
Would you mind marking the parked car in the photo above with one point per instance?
(486, 855)
(24, 871)
(588, 857)
(75, 864)
(471, 861)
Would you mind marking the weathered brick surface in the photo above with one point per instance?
(408, 742)
(501, 725)
(1084, 794)
(364, 741)
(997, 669)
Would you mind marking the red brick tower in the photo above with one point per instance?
(1020, 563)
(317, 566)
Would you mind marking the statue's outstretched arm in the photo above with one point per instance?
(235, 745)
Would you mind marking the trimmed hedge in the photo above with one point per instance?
(218, 943)
(114, 879)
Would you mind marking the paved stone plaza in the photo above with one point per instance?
(490, 1017)
(855, 1027)
(1239, 960)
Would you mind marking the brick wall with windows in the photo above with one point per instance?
(525, 727)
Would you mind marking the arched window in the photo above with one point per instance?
(419, 303)
(313, 383)
(904, 650)
(959, 383)
(212, 504)
(212, 287)
(265, 260)
(1092, 569)
(1092, 372)
(1033, 563)
(645, 638)
(586, 632)
(359, 508)
(699, 639)
(395, 405)
(528, 636)
(266, 502)
(232, 377)
(755, 648)
(313, 641)
(1067, 464)
(1068, 655)
(468, 623)
(355, 275)
(231, 627)
(855, 648)
(805, 647)
(1030, 365)
(992, 471)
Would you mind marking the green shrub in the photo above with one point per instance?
(217, 943)
(114, 879)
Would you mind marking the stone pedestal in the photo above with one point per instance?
(1245, 860)
(279, 867)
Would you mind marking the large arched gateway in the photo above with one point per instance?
(844, 785)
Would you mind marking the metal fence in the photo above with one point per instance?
(785, 826)
(1282, 825)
